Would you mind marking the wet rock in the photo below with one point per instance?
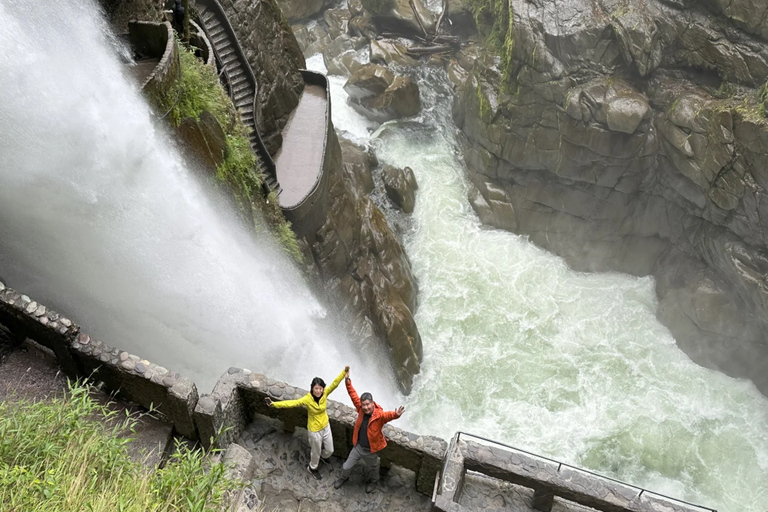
(358, 163)
(390, 52)
(401, 186)
(203, 139)
(398, 16)
(380, 95)
(299, 9)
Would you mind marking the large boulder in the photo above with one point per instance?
(379, 94)
(401, 186)
(398, 16)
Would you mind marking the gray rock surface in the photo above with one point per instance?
(282, 482)
(630, 136)
(366, 267)
(275, 57)
(401, 186)
(381, 95)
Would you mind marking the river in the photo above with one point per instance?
(575, 366)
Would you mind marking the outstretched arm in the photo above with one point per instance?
(388, 416)
(330, 389)
(352, 393)
(287, 404)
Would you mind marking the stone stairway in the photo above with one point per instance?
(238, 78)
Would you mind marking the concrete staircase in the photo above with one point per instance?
(238, 78)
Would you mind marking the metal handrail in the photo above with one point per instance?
(561, 464)
(221, 16)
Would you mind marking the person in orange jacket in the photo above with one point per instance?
(367, 438)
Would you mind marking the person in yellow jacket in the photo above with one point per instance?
(320, 438)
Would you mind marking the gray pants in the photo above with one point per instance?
(370, 460)
(317, 440)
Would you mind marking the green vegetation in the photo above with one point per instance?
(239, 174)
(60, 456)
(495, 21)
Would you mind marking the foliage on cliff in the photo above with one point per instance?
(61, 455)
(239, 174)
(495, 21)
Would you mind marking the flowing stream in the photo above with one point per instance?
(100, 219)
(519, 348)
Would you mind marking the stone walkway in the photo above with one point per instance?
(300, 158)
(282, 482)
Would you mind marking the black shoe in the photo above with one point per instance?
(338, 483)
(315, 473)
(370, 487)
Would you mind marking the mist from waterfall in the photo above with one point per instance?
(575, 366)
(101, 219)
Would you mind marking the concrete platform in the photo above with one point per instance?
(300, 159)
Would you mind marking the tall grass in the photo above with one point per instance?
(61, 456)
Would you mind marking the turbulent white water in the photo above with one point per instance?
(100, 219)
(521, 349)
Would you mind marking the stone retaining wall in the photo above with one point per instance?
(157, 39)
(79, 355)
(239, 396)
(308, 216)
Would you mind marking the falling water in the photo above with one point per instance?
(519, 348)
(100, 218)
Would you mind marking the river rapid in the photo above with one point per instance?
(575, 366)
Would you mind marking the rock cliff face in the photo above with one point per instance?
(631, 136)
(365, 267)
(275, 57)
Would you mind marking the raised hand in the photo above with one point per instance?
(346, 372)
(399, 411)
(269, 401)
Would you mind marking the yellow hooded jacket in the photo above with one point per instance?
(317, 418)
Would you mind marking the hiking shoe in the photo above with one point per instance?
(338, 483)
(370, 487)
(315, 473)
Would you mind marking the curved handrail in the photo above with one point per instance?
(218, 10)
(561, 464)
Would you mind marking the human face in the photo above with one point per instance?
(367, 406)
(317, 390)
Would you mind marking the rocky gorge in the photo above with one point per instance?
(622, 136)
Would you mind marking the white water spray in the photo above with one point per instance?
(575, 366)
(100, 219)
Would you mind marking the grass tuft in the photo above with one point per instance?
(59, 456)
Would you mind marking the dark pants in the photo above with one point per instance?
(370, 460)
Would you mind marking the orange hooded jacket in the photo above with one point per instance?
(378, 418)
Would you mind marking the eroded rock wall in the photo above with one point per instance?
(631, 136)
(275, 57)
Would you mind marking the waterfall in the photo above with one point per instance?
(101, 219)
(575, 366)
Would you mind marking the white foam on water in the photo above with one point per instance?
(574, 366)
